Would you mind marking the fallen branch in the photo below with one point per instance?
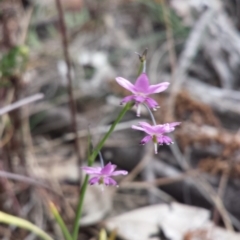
(21, 103)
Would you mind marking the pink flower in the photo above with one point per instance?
(141, 89)
(156, 133)
(102, 175)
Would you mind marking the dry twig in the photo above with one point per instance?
(170, 39)
(69, 77)
(21, 103)
(25, 179)
(186, 57)
(157, 182)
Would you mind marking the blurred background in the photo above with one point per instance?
(70, 52)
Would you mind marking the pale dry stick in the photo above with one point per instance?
(139, 167)
(149, 175)
(228, 218)
(208, 193)
(22, 38)
(235, 221)
(155, 61)
(24, 212)
(221, 189)
(59, 101)
(157, 182)
(72, 103)
(25, 179)
(10, 34)
(186, 57)
(7, 233)
(4, 140)
(25, 24)
(182, 162)
(122, 142)
(170, 39)
(21, 103)
(213, 50)
(26, 132)
(7, 137)
(40, 219)
(37, 217)
(6, 187)
(5, 118)
(27, 139)
(167, 198)
(153, 186)
(204, 187)
(203, 184)
(84, 133)
(31, 158)
(191, 48)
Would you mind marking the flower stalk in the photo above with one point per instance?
(151, 114)
(91, 160)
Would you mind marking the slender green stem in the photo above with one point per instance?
(142, 68)
(101, 143)
(22, 223)
(79, 208)
(90, 163)
(60, 221)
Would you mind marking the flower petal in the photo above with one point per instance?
(164, 139)
(92, 170)
(158, 87)
(159, 129)
(126, 84)
(144, 129)
(145, 124)
(173, 124)
(146, 140)
(128, 99)
(167, 140)
(120, 172)
(108, 169)
(160, 140)
(139, 99)
(138, 128)
(148, 128)
(94, 180)
(142, 83)
(169, 127)
(151, 103)
(109, 181)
